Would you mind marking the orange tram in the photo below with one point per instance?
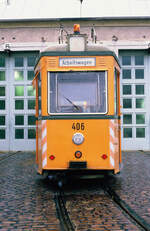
(77, 109)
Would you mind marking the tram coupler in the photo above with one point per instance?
(59, 178)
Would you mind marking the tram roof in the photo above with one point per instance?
(91, 50)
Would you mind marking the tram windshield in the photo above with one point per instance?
(77, 92)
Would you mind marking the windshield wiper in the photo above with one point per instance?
(72, 103)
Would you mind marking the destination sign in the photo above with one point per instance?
(77, 62)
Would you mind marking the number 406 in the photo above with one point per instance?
(78, 126)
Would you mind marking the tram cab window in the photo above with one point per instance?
(77, 92)
(39, 94)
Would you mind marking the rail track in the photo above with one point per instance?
(67, 224)
(126, 208)
(65, 217)
(6, 156)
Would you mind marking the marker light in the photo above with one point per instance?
(76, 28)
(52, 157)
(78, 154)
(78, 138)
(104, 156)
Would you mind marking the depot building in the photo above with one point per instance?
(22, 40)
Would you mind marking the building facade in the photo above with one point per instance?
(20, 43)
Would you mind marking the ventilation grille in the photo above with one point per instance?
(101, 61)
(52, 62)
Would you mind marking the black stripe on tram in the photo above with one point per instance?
(70, 117)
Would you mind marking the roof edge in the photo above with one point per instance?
(76, 19)
(77, 53)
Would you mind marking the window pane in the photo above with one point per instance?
(2, 61)
(126, 60)
(127, 119)
(2, 75)
(31, 61)
(127, 103)
(2, 134)
(30, 75)
(31, 120)
(126, 74)
(139, 103)
(19, 104)
(139, 73)
(139, 89)
(39, 88)
(19, 120)
(82, 92)
(127, 90)
(19, 91)
(140, 119)
(2, 104)
(139, 60)
(39, 104)
(127, 132)
(31, 134)
(2, 91)
(31, 104)
(19, 61)
(19, 76)
(2, 120)
(31, 91)
(19, 133)
(140, 132)
(115, 93)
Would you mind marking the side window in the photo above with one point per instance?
(115, 92)
(39, 94)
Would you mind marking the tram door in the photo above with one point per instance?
(17, 102)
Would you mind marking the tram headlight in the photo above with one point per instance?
(78, 138)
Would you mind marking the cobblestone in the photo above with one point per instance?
(97, 213)
(133, 183)
(26, 202)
